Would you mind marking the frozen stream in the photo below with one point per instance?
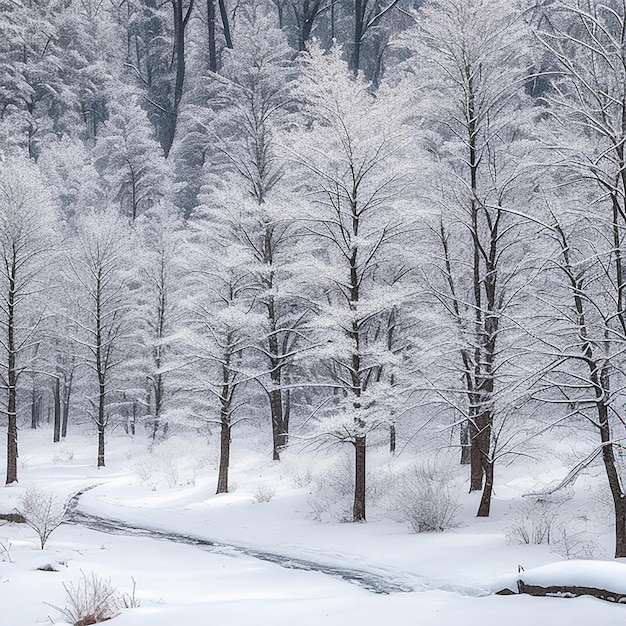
(376, 583)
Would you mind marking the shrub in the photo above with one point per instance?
(264, 493)
(173, 462)
(5, 551)
(535, 519)
(41, 511)
(333, 493)
(93, 600)
(425, 499)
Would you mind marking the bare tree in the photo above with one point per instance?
(42, 511)
(254, 100)
(348, 149)
(26, 237)
(97, 267)
(585, 42)
(218, 327)
(472, 59)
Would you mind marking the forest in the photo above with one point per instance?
(368, 224)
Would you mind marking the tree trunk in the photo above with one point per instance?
(225, 23)
(466, 446)
(12, 452)
(34, 413)
(67, 396)
(56, 390)
(392, 438)
(276, 410)
(485, 500)
(210, 10)
(181, 19)
(101, 425)
(358, 509)
(476, 463)
(617, 494)
(359, 23)
(222, 477)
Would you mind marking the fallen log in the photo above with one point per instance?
(567, 591)
(14, 518)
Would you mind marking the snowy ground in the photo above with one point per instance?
(451, 573)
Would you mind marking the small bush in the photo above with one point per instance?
(302, 477)
(93, 600)
(5, 551)
(426, 500)
(41, 511)
(535, 520)
(264, 493)
(331, 497)
(173, 462)
(63, 456)
(333, 493)
(548, 519)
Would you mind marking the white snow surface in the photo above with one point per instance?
(451, 572)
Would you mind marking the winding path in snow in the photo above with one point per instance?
(371, 581)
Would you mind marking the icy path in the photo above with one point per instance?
(379, 582)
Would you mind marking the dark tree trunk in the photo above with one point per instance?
(485, 500)
(275, 393)
(276, 410)
(12, 452)
(56, 391)
(358, 509)
(34, 408)
(466, 446)
(225, 23)
(600, 379)
(359, 25)
(617, 494)
(222, 477)
(225, 402)
(210, 10)
(476, 462)
(67, 396)
(181, 19)
(392, 438)
(101, 423)
(101, 369)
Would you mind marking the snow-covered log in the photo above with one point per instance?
(605, 580)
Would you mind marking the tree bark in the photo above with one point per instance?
(476, 464)
(56, 390)
(210, 10)
(222, 477)
(12, 452)
(225, 23)
(67, 396)
(466, 446)
(101, 423)
(225, 405)
(359, 25)
(358, 509)
(485, 500)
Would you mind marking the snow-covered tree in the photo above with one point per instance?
(130, 159)
(348, 154)
(471, 73)
(159, 292)
(586, 333)
(219, 326)
(98, 265)
(252, 105)
(26, 238)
